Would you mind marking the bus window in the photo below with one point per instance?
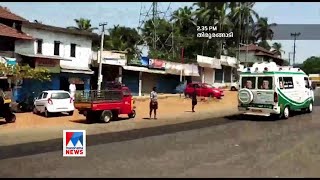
(265, 82)
(288, 82)
(306, 83)
(281, 83)
(248, 82)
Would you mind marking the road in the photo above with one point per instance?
(226, 148)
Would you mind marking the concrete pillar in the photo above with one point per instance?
(231, 74)
(202, 74)
(222, 74)
(120, 74)
(140, 83)
(213, 76)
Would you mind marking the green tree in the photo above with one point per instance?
(237, 17)
(265, 45)
(20, 72)
(83, 25)
(223, 23)
(263, 29)
(244, 17)
(277, 48)
(184, 19)
(311, 65)
(123, 39)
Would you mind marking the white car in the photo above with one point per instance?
(234, 86)
(53, 101)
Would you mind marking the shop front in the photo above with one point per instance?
(32, 87)
(82, 81)
(210, 69)
(80, 76)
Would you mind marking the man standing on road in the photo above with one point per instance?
(153, 102)
(72, 89)
(194, 99)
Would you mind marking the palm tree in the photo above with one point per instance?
(265, 45)
(213, 13)
(244, 16)
(123, 39)
(162, 28)
(277, 48)
(223, 22)
(83, 25)
(184, 19)
(263, 29)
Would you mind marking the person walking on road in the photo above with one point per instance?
(194, 99)
(153, 102)
(72, 89)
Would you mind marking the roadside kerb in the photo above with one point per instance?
(36, 135)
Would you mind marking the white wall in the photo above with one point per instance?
(83, 48)
(209, 75)
(24, 47)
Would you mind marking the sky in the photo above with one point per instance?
(127, 14)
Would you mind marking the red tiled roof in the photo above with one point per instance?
(267, 54)
(252, 47)
(58, 29)
(11, 32)
(6, 14)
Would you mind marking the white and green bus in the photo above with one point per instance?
(267, 89)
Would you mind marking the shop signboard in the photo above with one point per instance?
(157, 64)
(76, 80)
(114, 61)
(52, 65)
(142, 62)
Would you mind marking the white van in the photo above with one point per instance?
(267, 89)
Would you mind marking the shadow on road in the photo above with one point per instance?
(83, 121)
(32, 148)
(188, 111)
(240, 117)
(52, 115)
(3, 122)
(248, 118)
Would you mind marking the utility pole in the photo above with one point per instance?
(100, 58)
(172, 39)
(182, 61)
(295, 35)
(155, 23)
(247, 50)
(247, 40)
(290, 57)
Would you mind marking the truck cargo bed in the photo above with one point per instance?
(93, 98)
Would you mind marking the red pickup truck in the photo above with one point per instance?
(105, 105)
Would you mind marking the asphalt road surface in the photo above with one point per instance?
(224, 147)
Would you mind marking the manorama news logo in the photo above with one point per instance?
(74, 143)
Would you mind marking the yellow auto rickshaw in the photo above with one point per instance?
(5, 109)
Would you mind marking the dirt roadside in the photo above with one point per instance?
(30, 127)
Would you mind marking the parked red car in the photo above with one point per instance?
(204, 90)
